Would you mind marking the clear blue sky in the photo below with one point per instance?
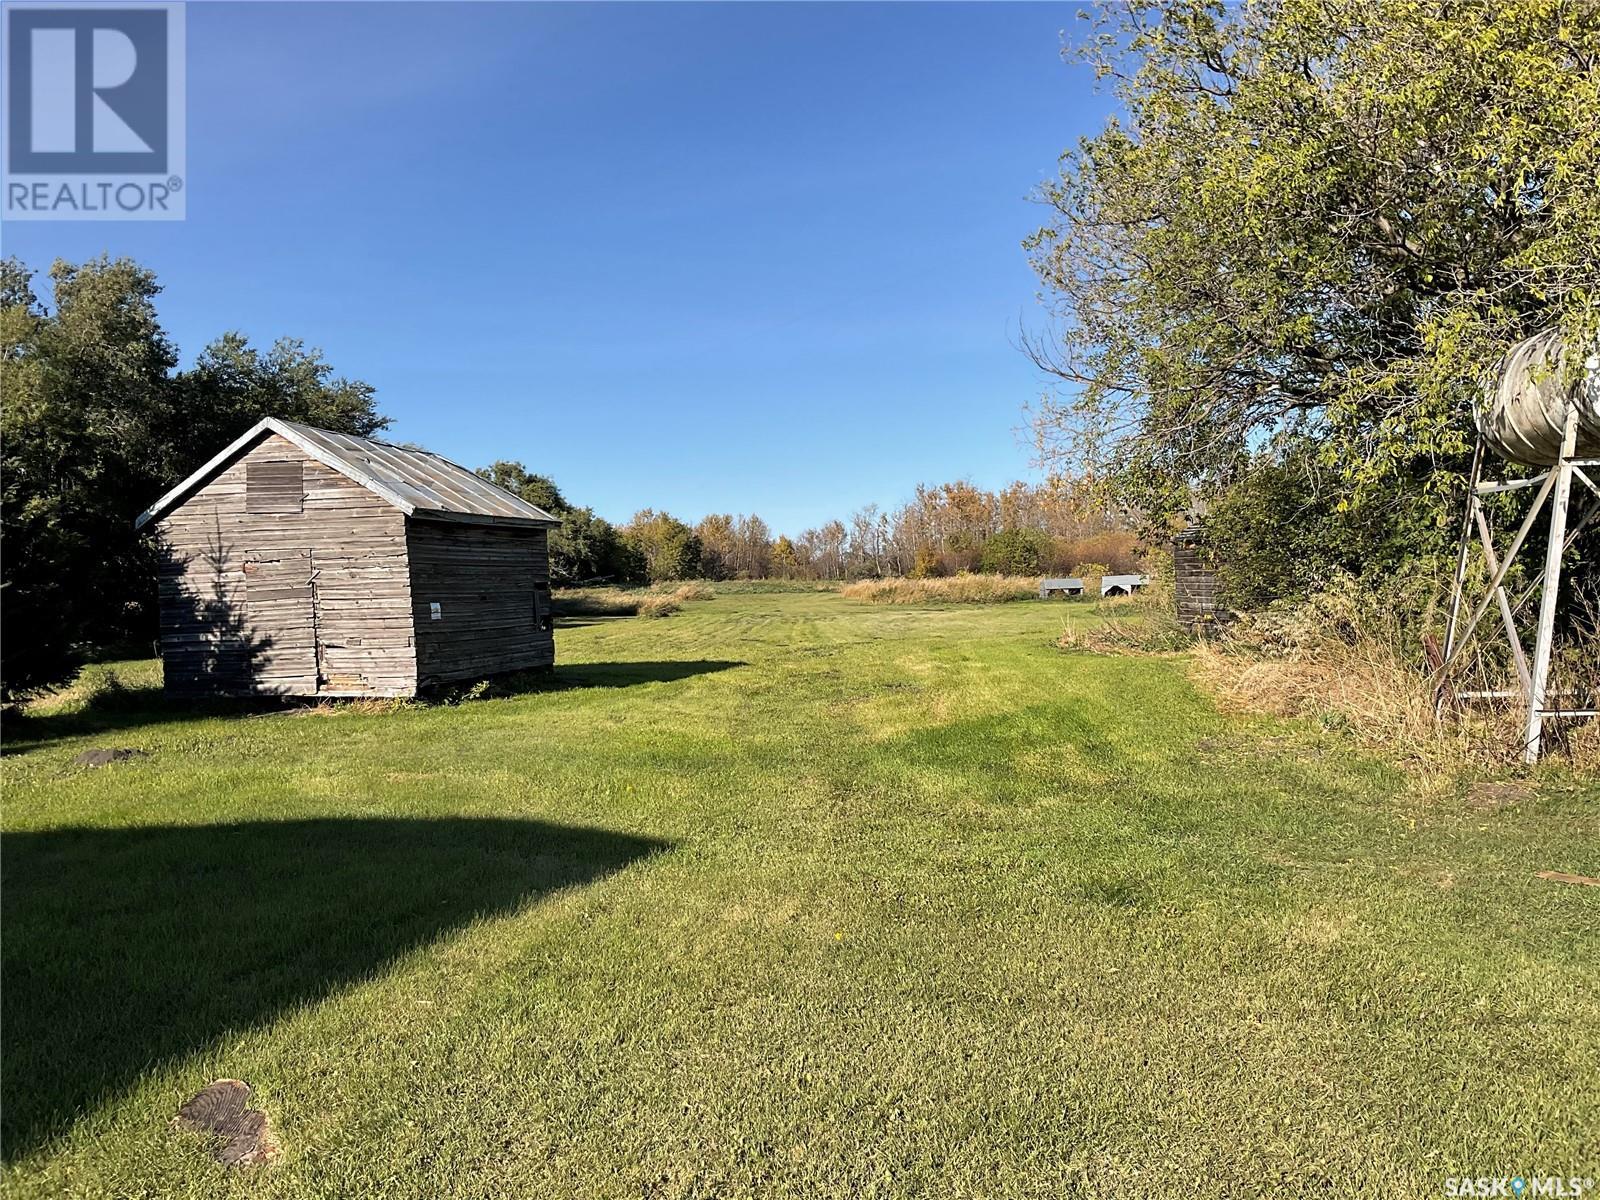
(704, 257)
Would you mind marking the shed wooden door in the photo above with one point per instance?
(280, 613)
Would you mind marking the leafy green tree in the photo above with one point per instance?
(538, 490)
(1276, 535)
(719, 545)
(785, 559)
(587, 547)
(1017, 552)
(669, 548)
(1319, 220)
(95, 425)
(233, 385)
(81, 386)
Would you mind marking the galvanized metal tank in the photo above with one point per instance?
(1525, 407)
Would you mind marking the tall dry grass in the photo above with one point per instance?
(662, 605)
(1356, 661)
(661, 600)
(1137, 624)
(595, 602)
(684, 592)
(665, 599)
(953, 589)
(1367, 686)
(760, 587)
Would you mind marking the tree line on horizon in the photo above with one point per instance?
(1056, 527)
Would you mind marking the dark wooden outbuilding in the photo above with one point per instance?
(300, 562)
(1194, 581)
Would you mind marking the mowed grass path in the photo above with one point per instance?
(789, 896)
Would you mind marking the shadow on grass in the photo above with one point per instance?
(570, 676)
(119, 708)
(630, 674)
(200, 596)
(126, 949)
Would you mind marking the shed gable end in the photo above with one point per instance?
(282, 576)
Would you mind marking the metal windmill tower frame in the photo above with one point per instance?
(1549, 426)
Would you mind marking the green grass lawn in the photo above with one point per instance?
(789, 896)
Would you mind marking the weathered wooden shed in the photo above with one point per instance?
(300, 562)
(1194, 580)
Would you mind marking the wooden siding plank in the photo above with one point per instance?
(483, 577)
(273, 485)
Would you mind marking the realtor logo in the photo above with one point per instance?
(94, 114)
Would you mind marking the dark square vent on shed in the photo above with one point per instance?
(273, 487)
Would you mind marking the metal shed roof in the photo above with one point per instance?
(417, 482)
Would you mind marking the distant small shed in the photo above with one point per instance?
(1060, 587)
(1122, 585)
(300, 562)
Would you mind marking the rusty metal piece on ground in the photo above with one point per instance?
(1563, 877)
(241, 1137)
(105, 755)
